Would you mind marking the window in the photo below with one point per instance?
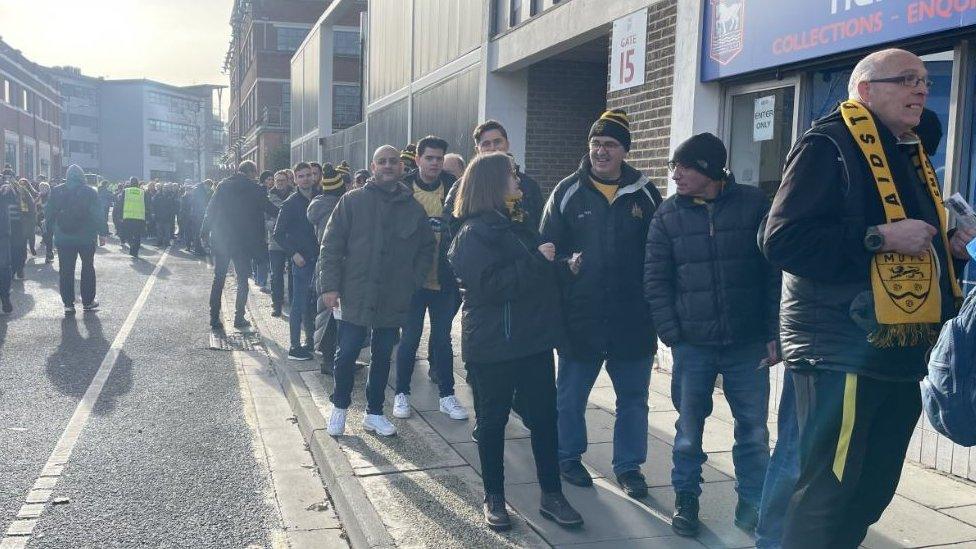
(170, 127)
(6, 91)
(82, 121)
(346, 43)
(10, 153)
(23, 103)
(160, 151)
(534, 7)
(28, 170)
(345, 105)
(173, 103)
(82, 147)
(289, 38)
(514, 12)
(286, 96)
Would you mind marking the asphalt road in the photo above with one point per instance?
(165, 458)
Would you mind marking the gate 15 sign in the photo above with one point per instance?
(627, 51)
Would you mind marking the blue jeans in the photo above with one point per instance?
(783, 472)
(440, 352)
(746, 387)
(631, 380)
(261, 265)
(350, 342)
(302, 304)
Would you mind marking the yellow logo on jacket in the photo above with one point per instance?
(637, 212)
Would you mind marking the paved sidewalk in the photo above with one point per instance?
(424, 488)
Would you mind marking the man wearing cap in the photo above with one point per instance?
(598, 219)
(869, 275)
(409, 157)
(715, 302)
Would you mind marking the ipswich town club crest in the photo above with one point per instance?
(906, 279)
(728, 18)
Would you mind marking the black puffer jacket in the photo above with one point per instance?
(606, 315)
(293, 232)
(510, 296)
(234, 217)
(705, 278)
(815, 233)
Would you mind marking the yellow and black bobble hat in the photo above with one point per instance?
(409, 154)
(331, 180)
(613, 123)
(343, 168)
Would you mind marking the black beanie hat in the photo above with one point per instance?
(704, 153)
(613, 123)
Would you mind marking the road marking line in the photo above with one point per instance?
(19, 530)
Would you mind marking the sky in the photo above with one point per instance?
(178, 42)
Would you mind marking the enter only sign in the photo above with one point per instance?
(762, 118)
(629, 48)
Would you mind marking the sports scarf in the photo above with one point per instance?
(907, 295)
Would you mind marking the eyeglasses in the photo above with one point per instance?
(673, 166)
(909, 81)
(605, 145)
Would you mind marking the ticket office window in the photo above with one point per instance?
(761, 123)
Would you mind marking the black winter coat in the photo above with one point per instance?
(705, 278)
(7, 198)
(235, 217)
(293, 231)
(604, 307)
(510, 304)
(815, 233)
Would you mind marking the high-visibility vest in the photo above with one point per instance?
(134, 204)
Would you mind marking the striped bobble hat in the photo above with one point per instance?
(331, 179)
(613, 123)
(343, 168)
(409, 153)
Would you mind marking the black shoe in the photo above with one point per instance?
(241, 323)
(684, 522)
(746, 517)
(276, 310)
(574, 473)
(216, 324)
(299, 353)
(633, 484)
(496, 515)
(556, 508)
(8, 308)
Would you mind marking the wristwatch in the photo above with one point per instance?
(873, 239)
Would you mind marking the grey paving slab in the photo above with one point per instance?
(718, 501)
(934, 490)
(966, 513)
(302, 500)
(330, 538)
(519, 463)
(608, 514)
(657, 469)
(670, 542)
(441, 508)
(286, 448)
(454, 430)
(909, 524)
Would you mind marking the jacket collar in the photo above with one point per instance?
(631, 180)
(400, 191)
(730, 188)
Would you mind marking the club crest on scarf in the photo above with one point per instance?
(907, 280)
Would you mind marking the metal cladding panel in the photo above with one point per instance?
(297, 83)
(443, 31)
(310, 87)
(348, 145)
(389, 46)
(449, 109)
(388, 126)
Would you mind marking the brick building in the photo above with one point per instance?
(30, 116)
(265, 35)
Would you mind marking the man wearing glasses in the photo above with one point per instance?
(858, 228)
(598, 219)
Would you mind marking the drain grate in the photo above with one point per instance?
(237, 341)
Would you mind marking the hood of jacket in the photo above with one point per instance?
(75, 176)
(321, 207)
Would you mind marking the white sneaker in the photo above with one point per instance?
(453, 408)
(337, 422)
(401, 406)
(379, 425)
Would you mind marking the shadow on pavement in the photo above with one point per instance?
(73, 363)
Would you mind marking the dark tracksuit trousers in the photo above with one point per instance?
(854, 432)
(497, 384)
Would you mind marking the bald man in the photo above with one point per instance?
(866, 281)
(376, 251)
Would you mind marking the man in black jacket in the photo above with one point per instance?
(598, 220)
(234, 226)
(490, 136)
(715, 302)
(296, 236)
(855, 278)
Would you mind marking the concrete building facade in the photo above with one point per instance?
(326, 81)
(80, 124)
(30, 117)
(265, 35)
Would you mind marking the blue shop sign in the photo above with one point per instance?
(746, 35)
